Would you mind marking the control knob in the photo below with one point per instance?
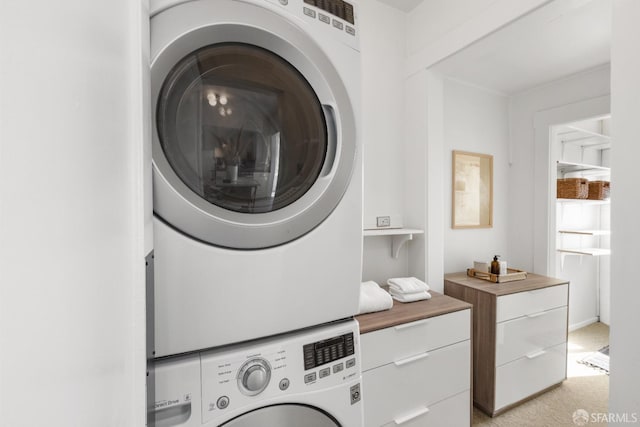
(254, 376)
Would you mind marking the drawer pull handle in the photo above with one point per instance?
(411, 324)
(411, 359)
(531, 316)
(411, 416)
(536, 354)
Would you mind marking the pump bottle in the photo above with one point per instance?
(495, 265)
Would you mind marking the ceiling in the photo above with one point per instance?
(555, 41)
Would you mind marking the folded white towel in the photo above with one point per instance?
(411, 297)
(373, 298)
(407, 285)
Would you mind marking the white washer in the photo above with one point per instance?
(257, 168)
(310, 378)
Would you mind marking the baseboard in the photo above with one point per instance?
(582, 324)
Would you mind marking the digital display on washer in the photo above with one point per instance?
(339, 8)
(326, 351)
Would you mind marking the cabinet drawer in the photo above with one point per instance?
(386, 345)
(454, 411)
(528, 375)
(397, 389)
(531, 302)
(528, 334)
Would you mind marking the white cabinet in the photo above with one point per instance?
(418, 373)
(520, 335)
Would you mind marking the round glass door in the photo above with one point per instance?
(286, 415)
(241, 127)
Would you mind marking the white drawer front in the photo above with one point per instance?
(531, 302)
(528, 375)
(399, 388)
(528, 334)
(386, 345)
(452, 412)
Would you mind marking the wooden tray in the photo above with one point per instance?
(512, 274)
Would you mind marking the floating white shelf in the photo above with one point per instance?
(399, 236)
(586, 232)
(586, 251)
(585, 201)
(591, 170)
(584, 138)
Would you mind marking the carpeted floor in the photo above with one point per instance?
(586, 388)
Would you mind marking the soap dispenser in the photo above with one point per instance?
(495, 265)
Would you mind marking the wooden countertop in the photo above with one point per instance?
(410, 312)
(532, 282)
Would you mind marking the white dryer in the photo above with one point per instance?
(257, 168)
(311, 379)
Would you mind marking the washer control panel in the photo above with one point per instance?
(234, 377)
(326, 351)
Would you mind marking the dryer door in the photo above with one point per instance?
(254, 141)
(284, 416)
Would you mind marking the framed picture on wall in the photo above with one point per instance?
(472, 190)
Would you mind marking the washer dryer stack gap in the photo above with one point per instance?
(257, 168)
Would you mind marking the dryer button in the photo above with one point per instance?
(284, 2)
(309, 12)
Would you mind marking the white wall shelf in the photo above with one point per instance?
(586, 251)
(584, 201)
(586, 232)
(569, 167)
(399, 236)
(584, 138)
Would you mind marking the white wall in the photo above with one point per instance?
(382, 37)
(72, 246)
(525, 219)
(476, 120)
(625, 234)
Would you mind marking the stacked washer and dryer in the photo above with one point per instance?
(257, 193)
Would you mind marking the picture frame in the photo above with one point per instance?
(471, 190)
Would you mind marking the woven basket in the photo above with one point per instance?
(599, 190)
(573, 188)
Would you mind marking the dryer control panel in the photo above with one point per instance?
(339, 8)
(335, 18)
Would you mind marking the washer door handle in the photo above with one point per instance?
(332, 139)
